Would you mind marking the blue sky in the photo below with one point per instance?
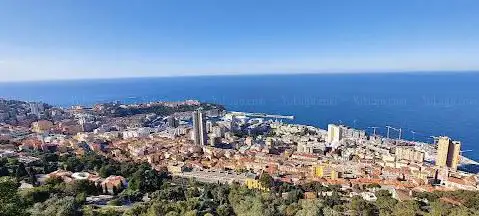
(71, 39)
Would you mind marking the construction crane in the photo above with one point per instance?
(413, 135)
(374, 130)
(396, 129)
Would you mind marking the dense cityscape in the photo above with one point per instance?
(195, 158)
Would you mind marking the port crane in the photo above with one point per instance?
(374, 130)
(396, 129)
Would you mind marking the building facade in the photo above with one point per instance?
(448, 153)
(335, 133)
(199, 128)
(410, 154)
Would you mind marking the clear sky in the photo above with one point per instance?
(69, 39)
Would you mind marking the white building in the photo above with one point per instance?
(335, 133)
(36, 108)
(310, 147)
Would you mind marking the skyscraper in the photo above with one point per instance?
(199, 128)
(36, 108)
(335, 133)
(448, 153)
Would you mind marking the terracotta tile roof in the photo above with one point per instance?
(457, 180)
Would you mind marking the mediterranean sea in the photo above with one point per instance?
(430, 104)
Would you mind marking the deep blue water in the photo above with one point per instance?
(430, 104)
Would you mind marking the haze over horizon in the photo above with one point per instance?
(56, 39)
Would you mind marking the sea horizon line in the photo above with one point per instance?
(358, 73)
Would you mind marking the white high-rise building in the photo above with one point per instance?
(335, 133)
(36, 108)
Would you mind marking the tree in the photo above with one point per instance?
(360, 207)
(385, 202)
(12, 161)
(137, 209)
(193, 192)
(294, 196)
(334, 188)
(106, 171)
(82, 186)
(170, 193)
(313, 187)
(310, 208)
(31, 178)
(49, 167)
(224, 210)
(53, 181)
(266, 180)
(10, 202)
(289, 210)
(327, 211)
(4, 171)
(55, 206)
(462, 211)
(245, 203)
(21, 172)
(220, 193)
(109, 212)
(333, 200)
(439, 208)
(73, 164)
(146, 179)
(373, 185)
(80, 198)
(406, 208)
(36, 194)
(49, 157)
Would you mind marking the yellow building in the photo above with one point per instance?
(454, 154)
(448, 153)
(254, 184)
(325, 171)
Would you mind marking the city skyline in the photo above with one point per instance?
(120, 39)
